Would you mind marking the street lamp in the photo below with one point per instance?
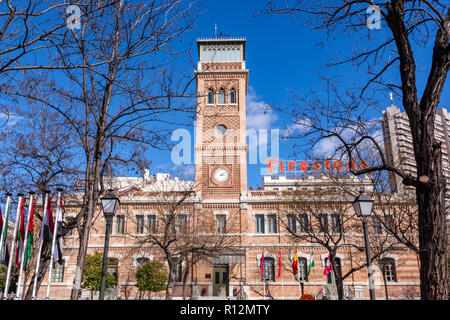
(363, 206)
(109, 204)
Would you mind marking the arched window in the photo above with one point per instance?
(269, 269)
(233, 96)
(303, 269)
(113, 267)
(58, 272)
(337, 262)
(210, 96)
(221, 96)
(141, 261)
(388, 269)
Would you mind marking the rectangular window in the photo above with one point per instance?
(303, 223)
(291, 223)
(303, 269)
(178, 270)
(152, 224)
(182, 223)
(323, 223)
(272, 220)
(376, 225)
(58, 272)
(140, 224)
(336, 223)
(120, 224)
(221, 223)
(269, 269)
(260, 223)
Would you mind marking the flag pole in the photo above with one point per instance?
(13, 247)
(52, 259)
(19, 291)
(298, 272)
(5, 225)
(36, 273)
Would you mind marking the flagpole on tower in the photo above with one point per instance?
(41, 236)
(13, 247)
(25, 242)
(52, 259)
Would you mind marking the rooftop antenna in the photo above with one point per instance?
(392, 99)
(215, 30)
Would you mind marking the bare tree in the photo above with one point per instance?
(124, 92)
(327, 218)
(186, 234)
(409, 22)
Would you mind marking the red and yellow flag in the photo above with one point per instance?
(295, 264)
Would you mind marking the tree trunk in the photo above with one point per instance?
(185, 277)
(432, 224)
(43, 267)
(84, 238)
(170, 282)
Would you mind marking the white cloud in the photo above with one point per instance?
(259, 114)
(9, 119)
(300, 126)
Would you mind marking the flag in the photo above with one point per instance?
(279, 265)
(48, 224)
(30, 233)
(328, 265)
(57, 256)
(262, 264)
(4, 246)
(20, 235)
(311, 264)
(295, 264)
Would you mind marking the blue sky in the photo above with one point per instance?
(282, 55)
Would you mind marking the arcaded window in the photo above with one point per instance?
(233, 96)
(210, 96)
(221, 96)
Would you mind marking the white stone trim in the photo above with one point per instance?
(392, 256)
(338, 255)
(221, 213)
(141, 255)
(266, 213)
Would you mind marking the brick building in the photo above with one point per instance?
(249, 224)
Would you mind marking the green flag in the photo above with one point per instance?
(311, 264)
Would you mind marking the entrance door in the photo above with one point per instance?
(220, 286)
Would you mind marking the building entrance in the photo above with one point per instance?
(220, 286)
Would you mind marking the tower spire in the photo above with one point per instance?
(215, 30)
(391, 98)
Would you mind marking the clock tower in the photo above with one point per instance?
(220, 146)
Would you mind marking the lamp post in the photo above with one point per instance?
(109, 204)
(363, 206)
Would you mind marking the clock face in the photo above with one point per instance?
(221, 175)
